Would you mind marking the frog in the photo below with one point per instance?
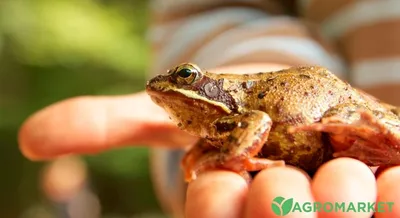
(300, 116)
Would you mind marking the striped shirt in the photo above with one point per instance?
(355, 39)
(358, 40)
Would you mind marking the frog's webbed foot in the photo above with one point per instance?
(240, 138)
(216, 160)
(361, 135)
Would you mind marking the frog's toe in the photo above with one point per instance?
(188, 171)
(197, 166)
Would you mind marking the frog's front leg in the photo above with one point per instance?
(355, 131)
(236, 140)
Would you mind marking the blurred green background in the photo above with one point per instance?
(55, 49)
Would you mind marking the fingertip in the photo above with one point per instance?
(23, 139)
(216, 194)
(381, 169)
(30, 134)
(286, 182)
(388, 193)
(88, 125)
(70, 126)
(344, 180)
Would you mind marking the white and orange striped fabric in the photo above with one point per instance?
(356, 39)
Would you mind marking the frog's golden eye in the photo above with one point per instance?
(186, 74)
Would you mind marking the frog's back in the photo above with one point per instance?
(299, 95)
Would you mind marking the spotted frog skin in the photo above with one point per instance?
(301, 116)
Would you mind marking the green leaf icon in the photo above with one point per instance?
(282, 207)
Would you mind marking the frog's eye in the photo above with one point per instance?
(186, 74)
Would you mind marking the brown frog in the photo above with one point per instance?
(298, 116)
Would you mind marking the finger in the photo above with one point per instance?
(286, 182)
(63, 178)
(86, 125)
(344, 180)
(216, 194)
(381, 169)
(388, 203)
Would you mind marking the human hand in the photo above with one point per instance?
(86, 125)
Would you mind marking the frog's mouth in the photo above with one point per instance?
(171, 97)
(187, 97)
(190, 114)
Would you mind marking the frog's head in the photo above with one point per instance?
(191, 97)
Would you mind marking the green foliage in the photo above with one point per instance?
(70, 33)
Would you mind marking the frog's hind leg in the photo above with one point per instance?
(360, 134)
(242, 137)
